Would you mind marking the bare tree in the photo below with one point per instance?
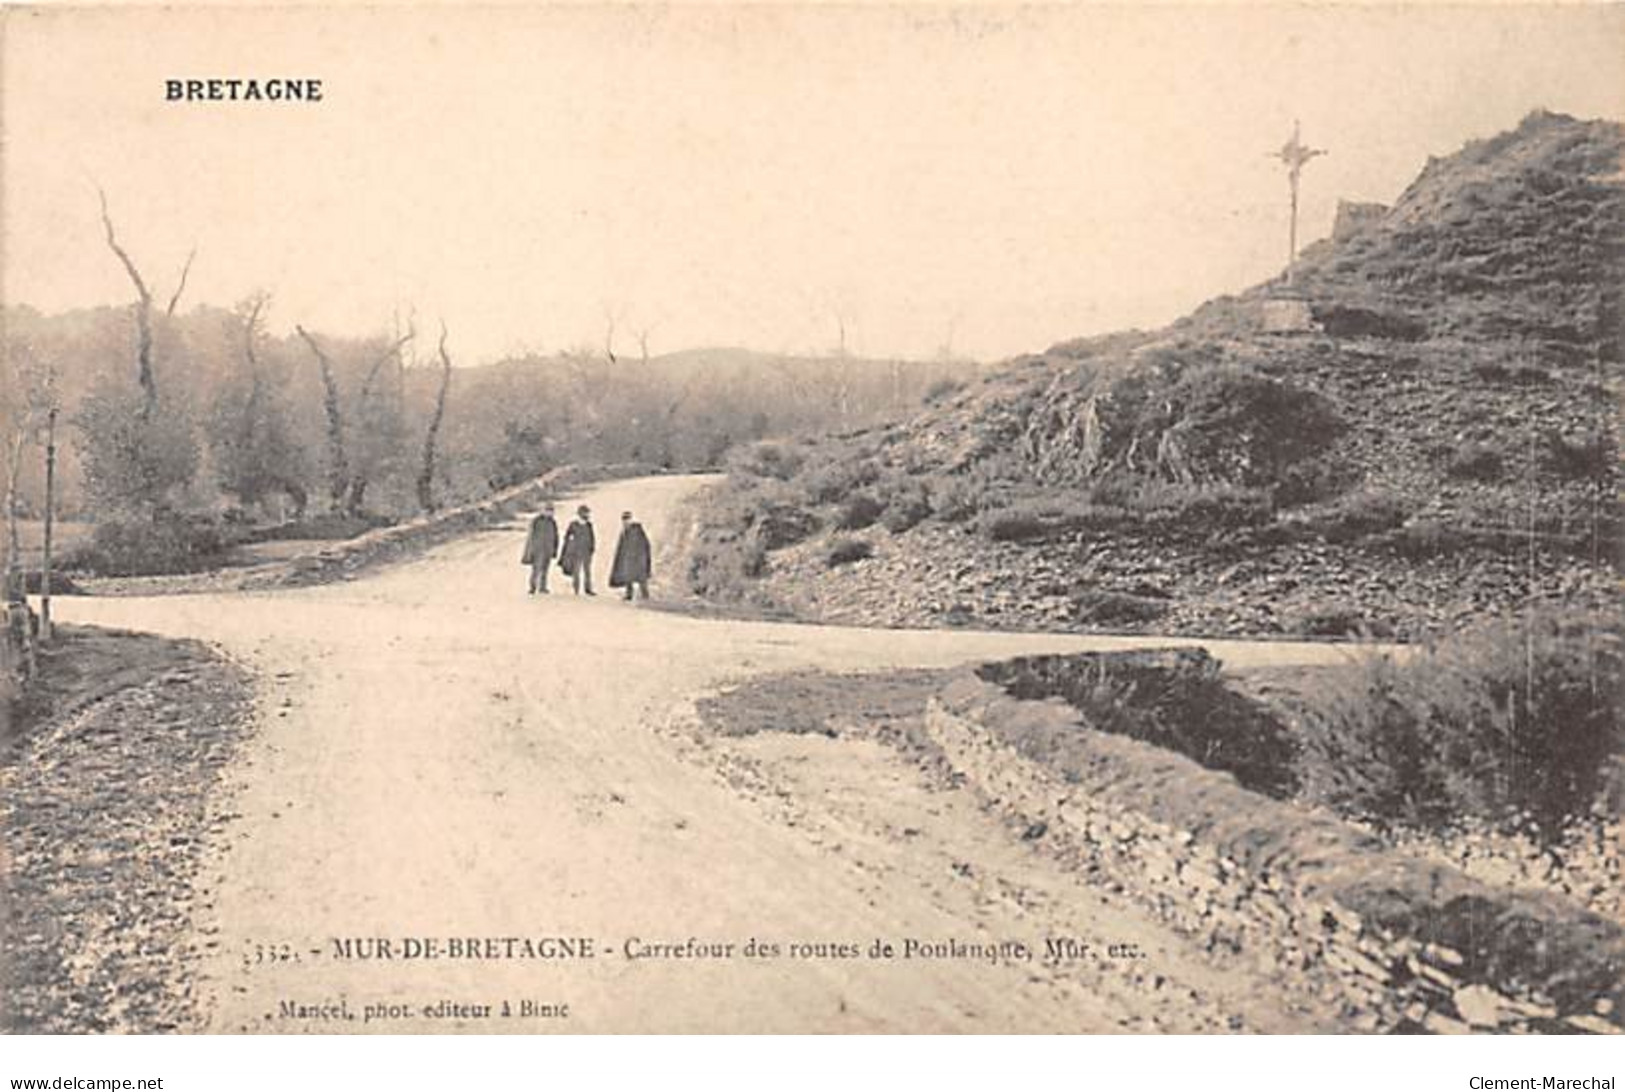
(610, 319)
(174, 301)
(361, 465)
(338, 466)
(143, 312)
(392, 352)
(146, 376)
(254, 456)
(349, 477)
(426, 475)
(251, 326)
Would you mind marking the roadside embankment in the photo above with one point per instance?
(1402, 942)
(344, 559)
(110, 795)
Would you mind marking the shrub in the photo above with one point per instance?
(1312, 480)
(1202, 507)
(906, 512)
(140, 547)
(1516, 375)
(1016, 526)
(1105, 607)
(834, 481)
(1514, 725)
(723, 563)
(955, 498)
(1359, 515)
(1032, 521)
(1476, 462)
(767, 460)
(136, 462)
(752, 557)
(1177, 700)
(780, 524)
(858, 511)
(844, 551)
(1230, 424)
(1578, 458)
(1337, 622)
(1169, 508)
(907, 504)
(1340, 320)
(729, 548)
(1428, 538)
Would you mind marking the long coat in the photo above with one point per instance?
(579, 544)
(633, 559)
(542, 544)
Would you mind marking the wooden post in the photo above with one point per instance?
(50, 522)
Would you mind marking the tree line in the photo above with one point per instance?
(205, 415)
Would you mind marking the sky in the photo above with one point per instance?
(987, 180)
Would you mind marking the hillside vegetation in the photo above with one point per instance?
(1442, 445)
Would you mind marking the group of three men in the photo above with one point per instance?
(630, 569)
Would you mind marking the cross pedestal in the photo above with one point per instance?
(1287, 315)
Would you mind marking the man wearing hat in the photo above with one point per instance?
(632, 559)
(541, 547)
(576, 557)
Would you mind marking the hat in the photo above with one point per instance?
(626, 515)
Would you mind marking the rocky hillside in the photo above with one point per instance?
(1441, 443)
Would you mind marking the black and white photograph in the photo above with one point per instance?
(899, 519)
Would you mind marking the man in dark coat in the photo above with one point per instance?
(633, 559)
(541, 547)
(576, 556)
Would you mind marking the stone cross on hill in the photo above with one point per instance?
(1294, 153)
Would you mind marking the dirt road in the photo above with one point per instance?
(443, 757)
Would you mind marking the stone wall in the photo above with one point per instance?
(1399, 942)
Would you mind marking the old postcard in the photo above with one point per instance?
(791, 518)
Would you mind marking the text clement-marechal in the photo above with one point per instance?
(240, 90)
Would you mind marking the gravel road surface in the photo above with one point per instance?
(444, 762)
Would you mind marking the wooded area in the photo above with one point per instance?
(187, 430)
